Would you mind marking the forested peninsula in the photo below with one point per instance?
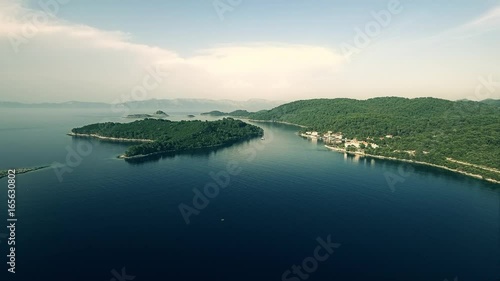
(158, 136)
(459, 135)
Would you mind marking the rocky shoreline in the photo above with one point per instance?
(108, 138)
(4, 173)
(412, 161)
(123, 156)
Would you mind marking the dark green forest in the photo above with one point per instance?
(434, 128)
(492, 102)
(174, 136)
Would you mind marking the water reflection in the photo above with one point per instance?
(195, 153)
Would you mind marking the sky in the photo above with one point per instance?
(118, 51)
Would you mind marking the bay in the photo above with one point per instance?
(108, 214)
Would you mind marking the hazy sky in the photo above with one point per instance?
(112, 51)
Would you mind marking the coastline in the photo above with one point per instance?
(4, 173)
(123, 156)
(410, 161)
(281, 122)
(108, 138)
(414, 162)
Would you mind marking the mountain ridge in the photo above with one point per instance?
(165, 104)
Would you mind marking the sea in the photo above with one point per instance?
(278, 208)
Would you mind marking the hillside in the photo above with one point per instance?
(167, 135)
(492, 102)
(432, 129)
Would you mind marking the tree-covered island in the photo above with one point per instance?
(157, 114)
(236, 113)
(159, 136)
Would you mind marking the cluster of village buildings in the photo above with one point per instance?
(338, 140)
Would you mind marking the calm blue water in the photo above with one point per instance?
(108, 214)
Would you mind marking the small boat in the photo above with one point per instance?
(262, 138)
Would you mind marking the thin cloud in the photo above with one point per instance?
(490, 18)
(487, 22)
(102, 58)
(68, 61)
(16, 21)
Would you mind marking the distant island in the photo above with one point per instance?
(4, 173)
(236, 113)
(461, 136)
(191, 116)
(179, 105)
(157, 114)
(159, 136)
